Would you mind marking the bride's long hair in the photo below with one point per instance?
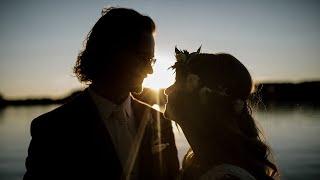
(232, 82)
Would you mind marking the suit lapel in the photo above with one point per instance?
(146, 160)
(145, 153)
(151, 163)
(101, 136)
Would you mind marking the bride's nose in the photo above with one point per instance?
(169, 90)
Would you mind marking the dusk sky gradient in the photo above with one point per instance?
(275, 40)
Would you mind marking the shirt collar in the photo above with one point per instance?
(107, 107)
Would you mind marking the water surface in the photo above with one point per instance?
(292, 132)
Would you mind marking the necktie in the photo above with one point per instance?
(123, 135)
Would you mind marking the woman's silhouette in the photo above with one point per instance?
(209, 100)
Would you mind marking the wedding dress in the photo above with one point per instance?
(224, 171)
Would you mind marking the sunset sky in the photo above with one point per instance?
(277, 40)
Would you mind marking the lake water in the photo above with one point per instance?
(292, 132)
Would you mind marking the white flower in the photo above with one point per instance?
(192, 82)
(203, 94)
(157, 148)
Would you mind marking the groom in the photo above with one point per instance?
(104, 133)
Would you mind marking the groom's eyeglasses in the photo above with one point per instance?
(151, 61)
(145, 59)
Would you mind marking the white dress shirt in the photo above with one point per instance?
(119, 121)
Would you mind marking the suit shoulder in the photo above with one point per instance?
(142, 106)
(48, 120)
(57, 116)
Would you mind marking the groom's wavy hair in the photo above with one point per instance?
(118, 31)
(224, 70)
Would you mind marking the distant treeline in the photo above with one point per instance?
(268, 93)
(36, 101)
(289, 93)
(306, 93)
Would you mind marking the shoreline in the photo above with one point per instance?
(305, 93)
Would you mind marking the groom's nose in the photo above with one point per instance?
(149, 69)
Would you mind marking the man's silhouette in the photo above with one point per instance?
(104, 133)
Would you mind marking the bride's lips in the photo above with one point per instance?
(166, 99)
(169, 109)
(170, 99)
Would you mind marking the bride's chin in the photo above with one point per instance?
(168, 112)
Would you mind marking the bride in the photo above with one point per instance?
(209, 100)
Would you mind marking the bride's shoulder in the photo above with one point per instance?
(227, 172)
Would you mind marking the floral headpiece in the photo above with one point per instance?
(182, 68)
(192, 81)
(183, 57)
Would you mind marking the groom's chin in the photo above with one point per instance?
(137, 89)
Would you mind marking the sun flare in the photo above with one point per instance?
(162, 77)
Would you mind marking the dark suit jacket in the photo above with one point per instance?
(71, 142)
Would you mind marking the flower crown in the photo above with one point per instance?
(183, 58)
(193, 81)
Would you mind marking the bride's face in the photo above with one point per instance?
(181, 104)
(174, 98)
